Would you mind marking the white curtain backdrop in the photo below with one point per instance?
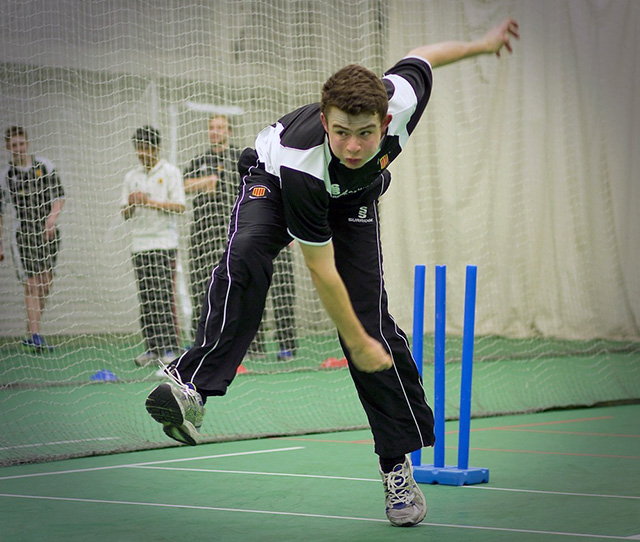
(527, 166)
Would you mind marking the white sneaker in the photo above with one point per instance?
(405, 504)
(146, 358)
(179, 408)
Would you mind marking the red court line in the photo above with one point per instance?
(520, 427)
(567, 433)
(516, 427)
(503, 427)
(541, 452)
(455, 431)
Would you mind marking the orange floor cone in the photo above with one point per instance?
(334, 363)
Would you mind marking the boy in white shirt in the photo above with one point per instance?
(152, 195)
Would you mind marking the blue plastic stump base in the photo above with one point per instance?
(449, 475)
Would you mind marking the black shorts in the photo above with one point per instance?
(34, 255)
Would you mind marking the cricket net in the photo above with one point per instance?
(515, 168)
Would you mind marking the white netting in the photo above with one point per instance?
(523, 166)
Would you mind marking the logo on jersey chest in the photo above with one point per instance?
(362, 216)
(384, 161)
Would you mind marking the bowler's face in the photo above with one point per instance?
(354, 139)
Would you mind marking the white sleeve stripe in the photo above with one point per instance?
(274, 155)
(310, 161)
(402, 105)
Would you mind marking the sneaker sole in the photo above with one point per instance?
(164, 408)
(143, 363)
(406, 522)
(421, 507)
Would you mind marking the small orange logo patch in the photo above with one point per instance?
(384, 161)
(258, 191)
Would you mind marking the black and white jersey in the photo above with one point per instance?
(31, 191)
(214, 209)
(296, 151)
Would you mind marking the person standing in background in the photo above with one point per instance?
(152, 196)
(211, 179)
(283, 295)
(30, 183)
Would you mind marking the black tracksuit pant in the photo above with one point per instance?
(400, 418)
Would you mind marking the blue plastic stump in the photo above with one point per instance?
(418, 332)
(438, 472)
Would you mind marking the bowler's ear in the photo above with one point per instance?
(323, 119)
(386, 121)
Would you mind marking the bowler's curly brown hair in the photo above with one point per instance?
(355, 90)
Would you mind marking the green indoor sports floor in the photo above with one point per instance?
(563, 475)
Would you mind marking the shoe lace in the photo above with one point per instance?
(172, 374)
(398, 487)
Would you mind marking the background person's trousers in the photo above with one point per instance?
(154, 276)
(394, 400)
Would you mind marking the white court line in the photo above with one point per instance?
(557, 492)
(317, 516)
(91, 469)
(56, 443)
(255, 473)
(150, 465)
